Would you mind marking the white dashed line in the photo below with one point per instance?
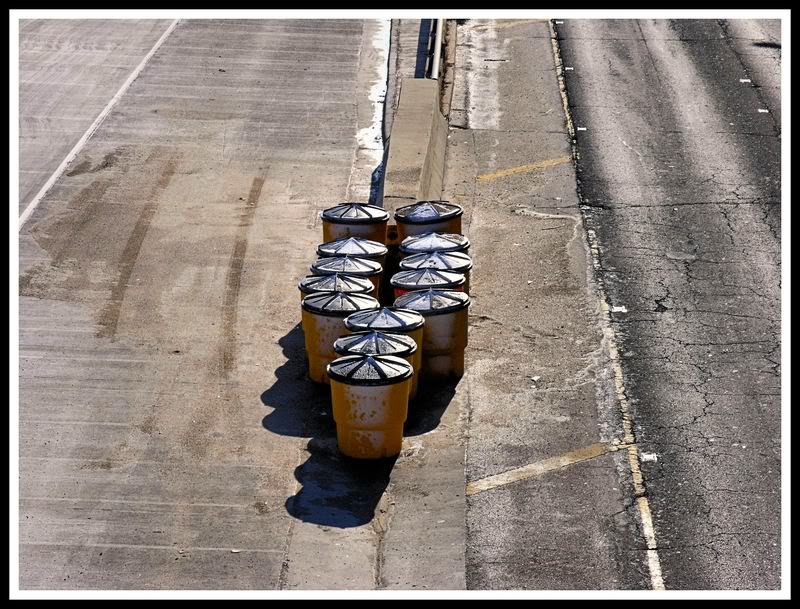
(93, 127)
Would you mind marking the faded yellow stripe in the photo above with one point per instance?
(540, 467)
(524, 168)
(498, 25)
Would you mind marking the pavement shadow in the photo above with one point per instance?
(426, 410)
(300, 408)
(423, 43)
(338, 491)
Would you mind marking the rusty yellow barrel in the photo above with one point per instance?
(426, 243)
(358, 267)
(375, 342)
(428, 217)
(357, 247)
(457, 262)
(323, 323)
(337, 282)
(423, 279)
(354, 220)
(370, 404)
(446, 322)
(391, 319)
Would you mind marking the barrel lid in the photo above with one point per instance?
(426, 212)
(355, 213)
(421, 279)
(352, 246)
(385, 318)
(369, 370)
(336, 282)
(338, 304)
(347, 265)
(433, 302)
(444, 261)
(434, 242)
(374, 342)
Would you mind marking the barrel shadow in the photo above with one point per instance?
(426, 410)
(300, 408)
(336, 491)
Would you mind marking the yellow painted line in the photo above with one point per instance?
(540, 467)
(498, 25)
(525, 168)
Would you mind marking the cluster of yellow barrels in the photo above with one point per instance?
(383, 306)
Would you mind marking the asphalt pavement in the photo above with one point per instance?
(679, 174)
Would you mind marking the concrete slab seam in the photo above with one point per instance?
(609, 339)
(93, 127)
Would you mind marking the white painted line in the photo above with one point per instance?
(629, 438)
(763, 110)
(744, 80)
(92, 128)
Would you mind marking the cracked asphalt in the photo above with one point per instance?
(678, 168)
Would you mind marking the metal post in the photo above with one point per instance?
(437, 49)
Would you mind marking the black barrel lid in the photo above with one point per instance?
(336, 282)
(355, 213)
(433, 302)
(370, 370)
(390, 319)
(427, 212)
(352, 246)
(338, 304)
(458, 262)
(421, 279)
(347, 265)
(434, 242)
(374, 342)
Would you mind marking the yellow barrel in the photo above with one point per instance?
(358, 267)
(323, 316)
(391, 319)
(354, 220)
(457, 262)
(446, 323)
(374, 342)
(357, 247)
(337, 282)
(428, 217)
(426, 243)
(423, 279)
(370, 404)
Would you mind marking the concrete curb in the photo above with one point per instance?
(418, 139)
(415, 165)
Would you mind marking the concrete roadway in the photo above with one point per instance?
(68, 71)
(679, 178)
(163, 412)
